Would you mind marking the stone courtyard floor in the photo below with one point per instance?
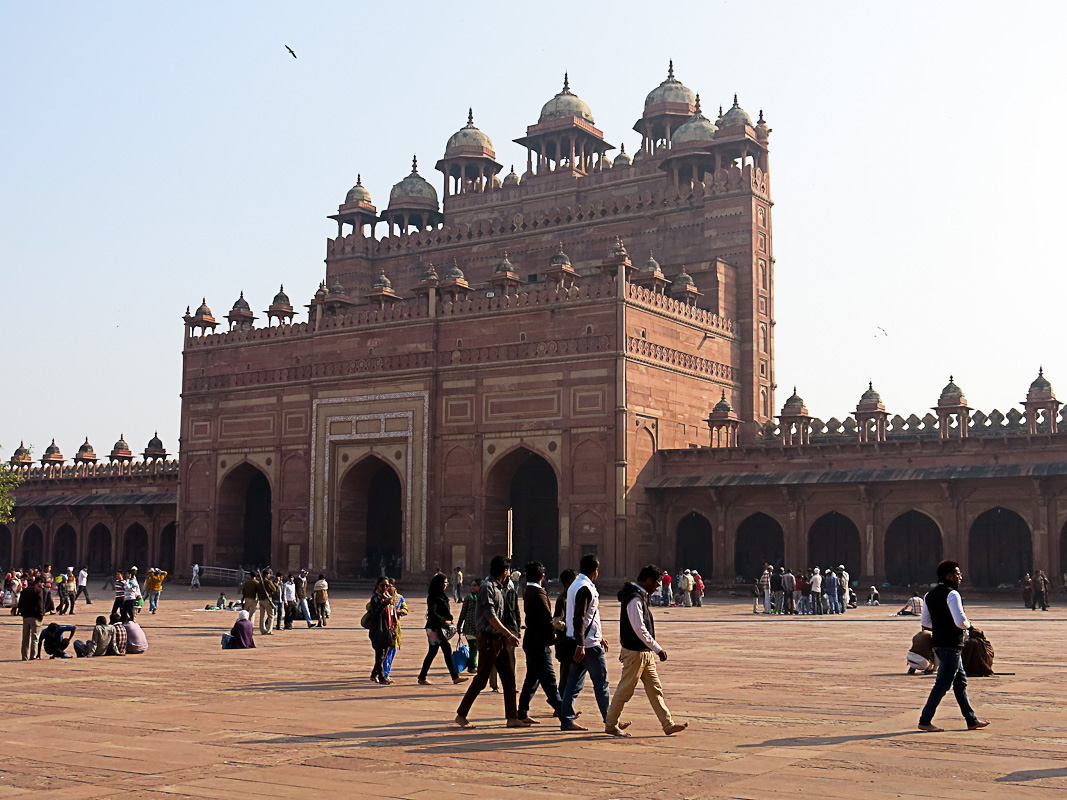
(777, 707)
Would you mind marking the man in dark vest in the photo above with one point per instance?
(638, 654)
(943, 614)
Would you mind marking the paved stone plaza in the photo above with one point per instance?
(777, 707)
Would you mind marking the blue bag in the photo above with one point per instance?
(460, 657)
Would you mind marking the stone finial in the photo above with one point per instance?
(735, 101)
(566, 82)
(760, 121)
(414, 164)
(470, 117)
(670, 70)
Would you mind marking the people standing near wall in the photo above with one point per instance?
(765, 589)
(266, 588)
(698, 589)
(789, 591)
(844, 592)
(321, 592)
(943, 614)
(66, 597)
(493, 638)
(457, 585)
(777, 590)
(830, 585)
(250, 592)
(1027, 585)
(1042, 590)
(194, 582)
(31, 607)
(302, 597)
(537, 643)
(381, 628)
(816, 592)
(467, 625)
(638, 653)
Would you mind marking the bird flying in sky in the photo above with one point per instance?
(287, 47)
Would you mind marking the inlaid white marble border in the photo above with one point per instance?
(381, 435)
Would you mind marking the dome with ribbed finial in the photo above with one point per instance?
(1040, 389)
(794, 405)
(358, 193)
(618, 248)
(468, 137)
(241, 304)
(683, 279)
(21, 455)
(723, 406)
(512, 178)
(431, 273)
(560, 258)
(337, 288)
(698, 129)
(52, 449)
(621, 159)
(454, 272)
(413, 187)
(951, 395)
(671, 90)
(281, 299)
(735, 116)
(320, 293)
(652, 266)
(566, 104)
(121, 443)
(86, 448)
(155, 443)
(505, 264)
(382, 282)
(870, 396)
(203, 311)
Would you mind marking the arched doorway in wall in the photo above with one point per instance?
(369, 520)
(32, 547)
(524, 484)
(6, 541)
(694, 544)
(244, 519)
(1000, 550)
(760, 540)
(135, 548)
(64, 549)
(167, 537)
(98, 557)
(912, 550)
(834, 539)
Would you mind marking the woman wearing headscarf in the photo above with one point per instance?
(240, 636)
(382, 628)
(438, 618)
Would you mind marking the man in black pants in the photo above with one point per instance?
(943, 614)
(537, 644)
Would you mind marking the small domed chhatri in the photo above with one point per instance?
(121, 451)
(154, 450)
(560, 258)
(723, 406)
(505, 264)
(671, 90)
(241, 304)
(337, 289)
(1040, 389)
(382, 282)
(469, 140)
(683, 279)
(652, 265)
(358, 193)
(870, 398)
(794, 405)
(566, 104)
(511, 179)
(951, 395)
(52, 455)
(697, 131)
(413, 187)
(621, 159)
(454, 272)
(735, 116)
(203, 310)
(21, 456)
(281, 299)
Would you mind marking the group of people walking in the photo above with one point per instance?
(281, 600)
(811, 591)
(1037, 590)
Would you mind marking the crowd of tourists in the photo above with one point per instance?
(810, 591)
(1037, 591)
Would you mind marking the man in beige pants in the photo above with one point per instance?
(638, 654)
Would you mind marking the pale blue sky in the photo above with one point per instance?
(152, 154)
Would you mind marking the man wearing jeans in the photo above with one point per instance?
(943, 614)
(583, 626)
(537, 643)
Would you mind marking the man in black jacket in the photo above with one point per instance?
(637, 632)
(943, 614)
(537, 643)
(31, 607)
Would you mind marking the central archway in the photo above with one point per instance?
(525, 484)
(834, 539)
(694, 543)
(912, 549)
(244, 519)
(760, 540)
(64, 548)
(135, 548)
(369, 520)
(999, 551)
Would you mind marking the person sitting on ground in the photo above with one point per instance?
(100, 644)
(221, 602)
(912, 608)
(136, 642)
(921, 657)
(240, 636)
(53, 642)
(872, 596)
(118, 644)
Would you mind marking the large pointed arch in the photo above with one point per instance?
(834, 539)
(368, 519)
(694, 543)
(760, 540)
(64, 548)
(32, 547)
(98, 550)
(522, 494)
(913, 548)
(245, 521)
(1000, 548)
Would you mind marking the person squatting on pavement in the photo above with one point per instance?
(943, 614)
(638, 654)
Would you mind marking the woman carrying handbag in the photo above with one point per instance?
(439, 629)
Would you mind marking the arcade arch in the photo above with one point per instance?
(760, 540)
(694, 543)
(6, 540)
(135, 548)
(999, 551)
(32, 547)
(64, 549)
(244, 519)
(912, 549)
(98, 556)
(834, 539)
(369, 520)
(165, 558)
(522, 491)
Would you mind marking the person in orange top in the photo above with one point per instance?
(153, 587)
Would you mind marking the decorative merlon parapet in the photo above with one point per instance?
(676, 359)
(118, 469)
(662, 303)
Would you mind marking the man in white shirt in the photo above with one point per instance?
(638, 654)
(843, 592)
(83, 587)
(583, 626)
(816, 592)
